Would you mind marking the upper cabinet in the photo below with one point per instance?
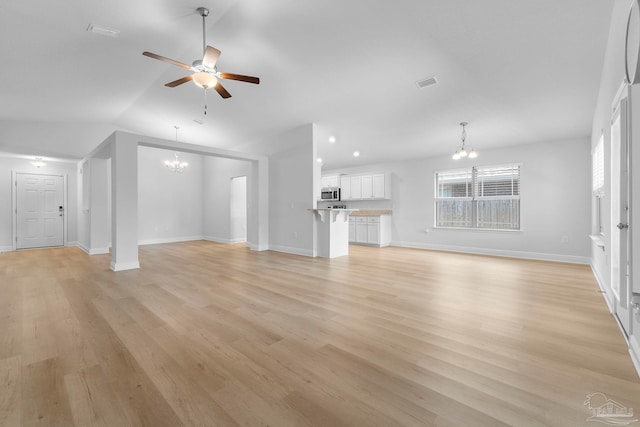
(365, 187)
(330, 181)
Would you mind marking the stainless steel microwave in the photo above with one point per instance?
(330, 194)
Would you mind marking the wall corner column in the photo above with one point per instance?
(124, 217)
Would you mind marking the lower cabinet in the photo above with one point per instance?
(370, 230)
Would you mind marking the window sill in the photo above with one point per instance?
(482, 230)
(598, 239)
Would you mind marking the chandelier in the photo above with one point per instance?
(176, 165)
(461, 151)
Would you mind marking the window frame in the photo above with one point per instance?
(475, 199)
(597, 181)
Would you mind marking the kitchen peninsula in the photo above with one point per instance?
(332, 231)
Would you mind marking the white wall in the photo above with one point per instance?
(170, 205)
(555, 182)
(612, 77)
(291, 193)
(217, 209)
(9, 164)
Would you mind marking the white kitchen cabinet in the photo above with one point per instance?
(362, 232)
(356, 188)
(372, 230)
(373, 233)
(365, 187)
(345, 187)
(378, 191)
(330, 181)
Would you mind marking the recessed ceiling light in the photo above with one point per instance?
(332, 139)
(102, 30)
(319, 160)
(356, 154)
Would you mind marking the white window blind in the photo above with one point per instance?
(456, 183)
(484, 197)
(454, 195)
(597, 167)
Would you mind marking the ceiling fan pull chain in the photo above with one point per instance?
(205, 102)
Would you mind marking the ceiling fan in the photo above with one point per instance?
(205, 74)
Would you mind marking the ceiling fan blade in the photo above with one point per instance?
(164, 59)
(240, 77)
(211, 55)
(222, 91)
(179, 81)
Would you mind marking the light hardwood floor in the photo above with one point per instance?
(210, 334)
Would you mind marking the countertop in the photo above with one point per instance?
(371, 212)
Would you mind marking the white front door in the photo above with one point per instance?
(39, 211)
(620, 262)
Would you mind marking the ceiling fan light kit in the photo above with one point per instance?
(205, 73)
(204, 80)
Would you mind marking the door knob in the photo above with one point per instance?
(622, 226)
(60, 211)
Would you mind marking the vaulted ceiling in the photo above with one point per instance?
(519, 71)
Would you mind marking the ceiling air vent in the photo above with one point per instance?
(426, 82)
(105, 31)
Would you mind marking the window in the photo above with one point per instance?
(486, 197)
(597, 160)
(597, 166)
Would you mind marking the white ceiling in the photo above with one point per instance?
(519, 71)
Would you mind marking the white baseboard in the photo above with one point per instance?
(217, 239)
(93, 251)
(224, 240)
(257, 248)
(291, 250)
(121, 266)
(496, 252)
(6, 248)
(634, 351)
(169, 240)
(98, 251)
(72, 244)
(603, 287)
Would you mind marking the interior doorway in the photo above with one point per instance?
(620, 249)
(39, 212)
(238, 205)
